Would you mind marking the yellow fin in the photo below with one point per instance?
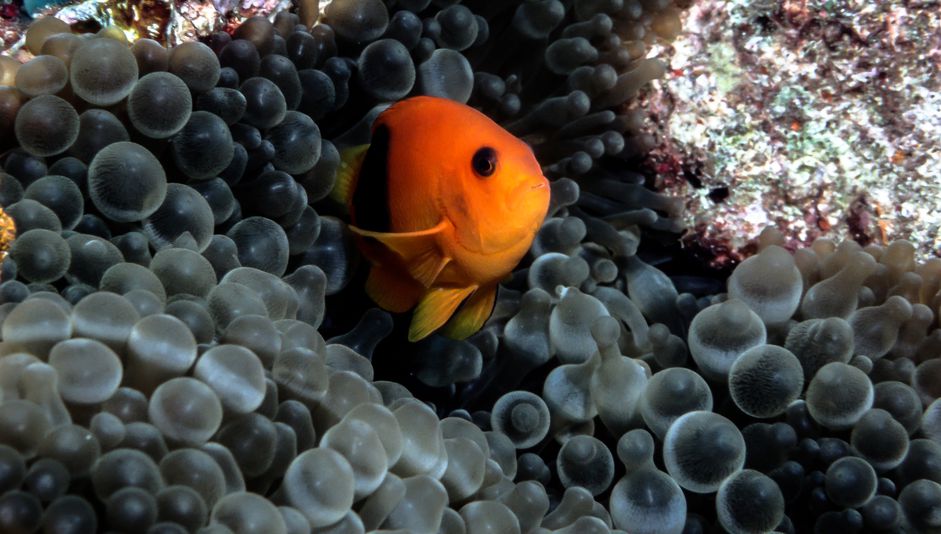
(420, 253)
(472, 315)
(351, 159)
(392, 290)
(435, 308)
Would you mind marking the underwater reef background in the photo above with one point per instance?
(819, 118)
(187, 347)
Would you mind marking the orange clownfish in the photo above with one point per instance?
(444, 203)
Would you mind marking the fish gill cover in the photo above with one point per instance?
(187, 346)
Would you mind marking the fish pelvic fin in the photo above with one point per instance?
(392, 289)
(419, 252)
(472, 314)
(435, 308)
(351, 159)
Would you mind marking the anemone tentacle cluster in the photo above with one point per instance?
(185, 345)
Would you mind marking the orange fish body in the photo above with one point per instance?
(445, 203)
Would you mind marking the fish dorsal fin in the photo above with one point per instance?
(435, 308)
(420, 253)
(351, 159)
(472, 314)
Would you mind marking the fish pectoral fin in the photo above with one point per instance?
(392, 290)
(351, 159)
(472, 314)
(435, 308)
(426, 267)
(419, 251)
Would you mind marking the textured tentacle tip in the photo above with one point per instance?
(645, 499)
(635, 449)
(585, 462)
(374, 326)
(605, 330)
(536, 20)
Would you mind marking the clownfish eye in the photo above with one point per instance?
(484, 161)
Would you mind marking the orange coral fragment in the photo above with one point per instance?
(7, 234)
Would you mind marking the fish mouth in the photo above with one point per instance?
(525, 194)
(528, 188)
(538, 184)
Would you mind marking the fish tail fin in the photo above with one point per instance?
(435, 308)
(351, 159)
(392, 291)
(472, 315)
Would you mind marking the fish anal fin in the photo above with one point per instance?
(419, 252)
(472, 314)
(435, 308)
(350, 161)
(392, 290)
